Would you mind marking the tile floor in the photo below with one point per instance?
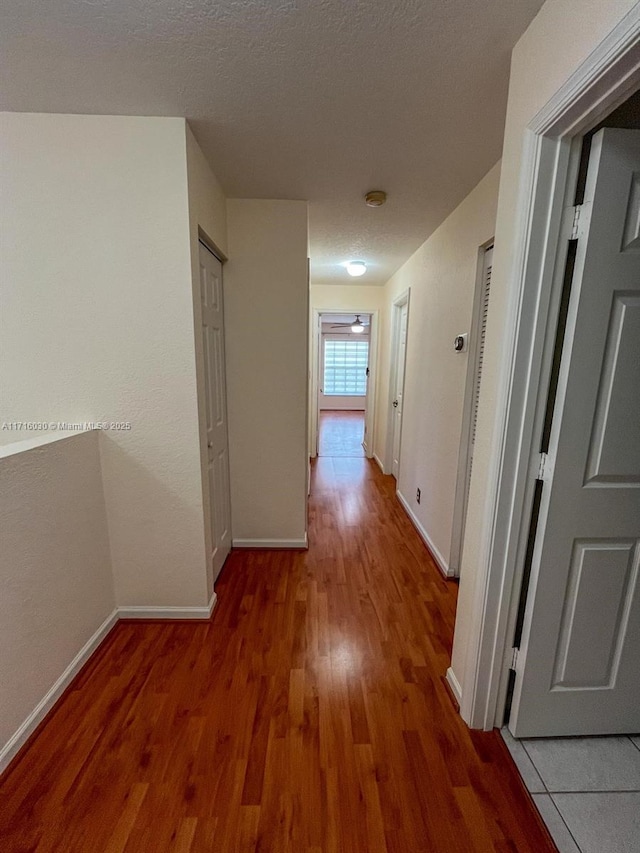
(341, 433)
(587, 789)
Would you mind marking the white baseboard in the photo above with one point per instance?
(454, 684)
(143, 612)
(17, 741)
(379, 461)
(272, 544)
(437, 556)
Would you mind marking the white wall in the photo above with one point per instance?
(342, 404)
(559, 39)
(442, 278)
(266, 328)
(57, 587)
(207, 219)
(97, 324)
(346, 298)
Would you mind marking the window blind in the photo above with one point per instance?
(345, 368)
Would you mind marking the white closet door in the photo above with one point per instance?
(216, 406)
(482, 333)
(399, 389)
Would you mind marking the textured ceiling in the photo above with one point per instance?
(302, 99)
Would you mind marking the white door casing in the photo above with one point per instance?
(577, 670)
(398, 387)
(211, 294)
(367, 442)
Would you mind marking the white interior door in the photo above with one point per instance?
(398, 395)
(487, 267)
(216, 407)
(578, 670)
(470, 409)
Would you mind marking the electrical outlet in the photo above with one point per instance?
(417, 495)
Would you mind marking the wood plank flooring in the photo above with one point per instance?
(309, 715)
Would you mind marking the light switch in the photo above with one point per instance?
(460, 342)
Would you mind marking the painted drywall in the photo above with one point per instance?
(208, 221)
(57, 587)
(342, 404)
(559, 39)
(266, 330)
(441, 276)
(346, 298)
(97, 325)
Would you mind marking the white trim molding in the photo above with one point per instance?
(380, 463)
(433, 550)
(45, 705)
(144, 612)
(598, 86)
(273, 544)
(454, 684)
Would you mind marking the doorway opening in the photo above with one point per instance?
(546, 219)
(343, 379)
(579, 596)
(555, 619)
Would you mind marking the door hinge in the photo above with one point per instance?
(514, 659)
(575, 225)
(542, 466)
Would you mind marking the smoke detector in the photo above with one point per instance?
(375, 198)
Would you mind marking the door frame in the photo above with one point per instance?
(396, 309)
(464, 453)
(604, 80)
(316, 343)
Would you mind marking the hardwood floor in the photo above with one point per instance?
(340, 433)
(308, 715)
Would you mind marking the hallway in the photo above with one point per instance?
(310, 714)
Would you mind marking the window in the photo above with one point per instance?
(345, 368)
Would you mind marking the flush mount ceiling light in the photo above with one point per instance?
(375, 198)
(356, 268)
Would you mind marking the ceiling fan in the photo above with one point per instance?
(357, 327)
